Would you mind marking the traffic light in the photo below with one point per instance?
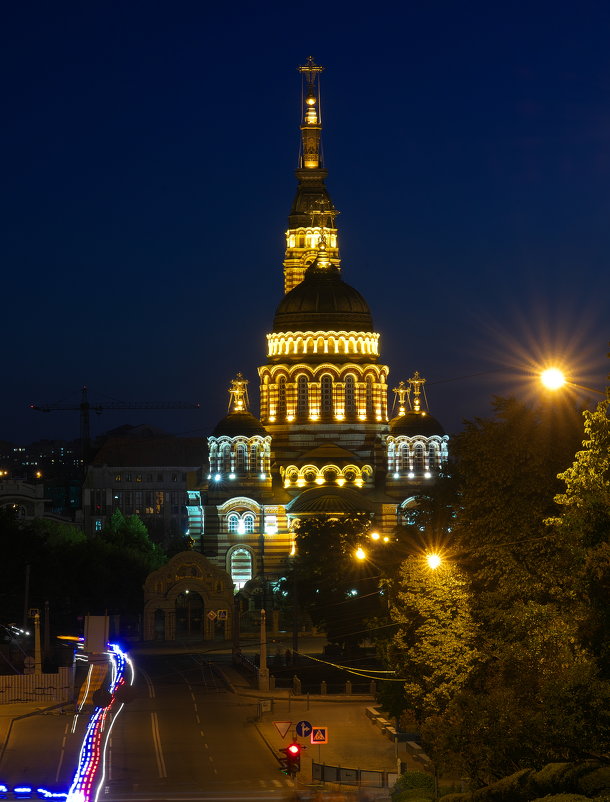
(292, 762)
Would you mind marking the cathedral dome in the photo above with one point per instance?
(413, 423)
(322, 302)
(239, 423)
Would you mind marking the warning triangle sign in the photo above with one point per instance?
(282, 727)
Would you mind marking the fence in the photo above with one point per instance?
(360, 777)
(38, 687)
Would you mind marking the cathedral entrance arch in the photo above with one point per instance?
(190, 611)
(189, 597)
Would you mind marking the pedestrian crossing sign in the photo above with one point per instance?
(319, 735)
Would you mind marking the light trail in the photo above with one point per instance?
(91, 771)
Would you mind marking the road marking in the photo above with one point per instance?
(62, 752)
(157, 744)
(151, 687)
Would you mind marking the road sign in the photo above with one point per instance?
(303, 728)
(319, 735)
(222, 615)
(212, 615)
(282, 727)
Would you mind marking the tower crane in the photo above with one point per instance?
(86, 407)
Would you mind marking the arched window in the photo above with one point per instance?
(248, 520)
(281, 398)
(419, 457)
(369, 397)
(404, 457)
(350, 396)
(232, 522)
(240, 458)
(326, 393)
(302, 397)
(254, 466)
(226, 457)
(241, 567)
(433, 456)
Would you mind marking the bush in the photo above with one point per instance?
(595, 781)
(413, 786)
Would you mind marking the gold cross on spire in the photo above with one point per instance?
(417, 382)
(238, 394)
(402, 392)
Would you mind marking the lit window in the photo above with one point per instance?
(326, 392)
(248, 524)
(369, 397)
(98, 526)
(241, 567)
(302, 397)
(281, 398)
(350, 397)
(233, 523)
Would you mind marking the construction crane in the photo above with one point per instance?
(85, 408)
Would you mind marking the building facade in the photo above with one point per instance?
(323, 443)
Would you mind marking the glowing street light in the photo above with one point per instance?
(360, 553)
(552, 378)
(433, 561)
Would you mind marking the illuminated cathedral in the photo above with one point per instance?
(323, 443)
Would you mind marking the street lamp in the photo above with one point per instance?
(554, 378)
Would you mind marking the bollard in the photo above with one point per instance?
(373, 688)
(296, 685)
(348, 688)
(323, 688)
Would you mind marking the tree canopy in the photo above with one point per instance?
(338, 592)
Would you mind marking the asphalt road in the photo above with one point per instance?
(185, 733)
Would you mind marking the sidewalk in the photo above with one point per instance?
(15, 710)
(353, 740)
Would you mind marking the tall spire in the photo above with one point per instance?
(312, 217)
(311, 127)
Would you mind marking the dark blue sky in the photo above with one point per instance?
(148, 152)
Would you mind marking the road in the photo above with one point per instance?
(184, 735)
(186, 732)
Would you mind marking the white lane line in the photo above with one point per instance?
(151, 687)
(62, 752)
(154, 722)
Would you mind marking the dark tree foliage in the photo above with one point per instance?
(337, 591)
(584, 525)
(535, 694)
(508, 468)
(76, 575)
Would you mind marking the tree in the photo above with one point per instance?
(337, 591)
(433, 648)
(131, 533)
(517, 707)
(508, 466)
(584, 525)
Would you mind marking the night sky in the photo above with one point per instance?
(148, 152)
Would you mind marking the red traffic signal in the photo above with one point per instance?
(292, 762)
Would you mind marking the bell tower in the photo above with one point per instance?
(311, 222)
